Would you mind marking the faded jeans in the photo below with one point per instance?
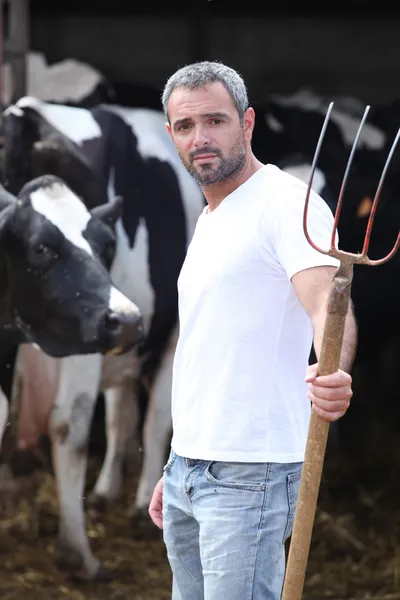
(225, 526)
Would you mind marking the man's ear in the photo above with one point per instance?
(109, 213)
(249, 122)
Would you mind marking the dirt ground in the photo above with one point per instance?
(355, 552)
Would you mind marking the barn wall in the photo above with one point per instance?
(339, 55)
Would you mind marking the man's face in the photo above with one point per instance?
(205, 127)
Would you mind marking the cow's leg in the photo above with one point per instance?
(121, 424)
(156, 434)
(32, 393)
(69, 431)
(10, 491)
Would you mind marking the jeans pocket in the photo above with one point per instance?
(293, 485)
(239, 476)
(170, 462)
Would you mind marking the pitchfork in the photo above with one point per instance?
(332, 340)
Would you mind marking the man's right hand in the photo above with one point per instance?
(155, 507)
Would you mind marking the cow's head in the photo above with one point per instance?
(37, 141)
(57, 289)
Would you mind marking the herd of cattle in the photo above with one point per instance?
(95, 196)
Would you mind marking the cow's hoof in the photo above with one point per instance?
(24, 462)
(71, 561)
(143, 527)
(100, 575)
(97, 506)
(67, 559)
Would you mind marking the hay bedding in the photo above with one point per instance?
(28, 535)
(355, 551)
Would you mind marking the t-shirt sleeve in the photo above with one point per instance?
(282, 229)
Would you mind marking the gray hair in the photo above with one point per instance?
(198, 75)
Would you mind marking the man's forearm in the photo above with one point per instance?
(349, 345)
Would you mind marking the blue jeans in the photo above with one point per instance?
(225, 526)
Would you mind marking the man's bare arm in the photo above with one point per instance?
(312, 288)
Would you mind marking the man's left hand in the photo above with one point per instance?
(330, 394)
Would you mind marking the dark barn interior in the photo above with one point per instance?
(342, 51)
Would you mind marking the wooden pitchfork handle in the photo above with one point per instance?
(317, 438)
(329, 360)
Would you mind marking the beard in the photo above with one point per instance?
(220, 168)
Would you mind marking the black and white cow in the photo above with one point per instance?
(69, 81)
(126, 152)
(56, 291)
(296, 121)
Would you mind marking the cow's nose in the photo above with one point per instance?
(126, 329)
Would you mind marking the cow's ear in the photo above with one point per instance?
(6, 199)
(8, 202)
(6, 216)
(109, 213)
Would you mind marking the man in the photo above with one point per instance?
(252, 298)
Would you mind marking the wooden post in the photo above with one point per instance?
(1, 51)
(17, 45)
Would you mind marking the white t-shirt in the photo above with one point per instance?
(238, 390)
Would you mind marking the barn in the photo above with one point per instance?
(291, 56)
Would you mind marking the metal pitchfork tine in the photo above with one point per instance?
(337, 307)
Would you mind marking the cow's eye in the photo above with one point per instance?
(110, 250)
(45, 252)
(108, 253)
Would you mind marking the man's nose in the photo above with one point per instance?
(201, 138)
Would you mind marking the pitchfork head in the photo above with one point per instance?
(333, 251)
